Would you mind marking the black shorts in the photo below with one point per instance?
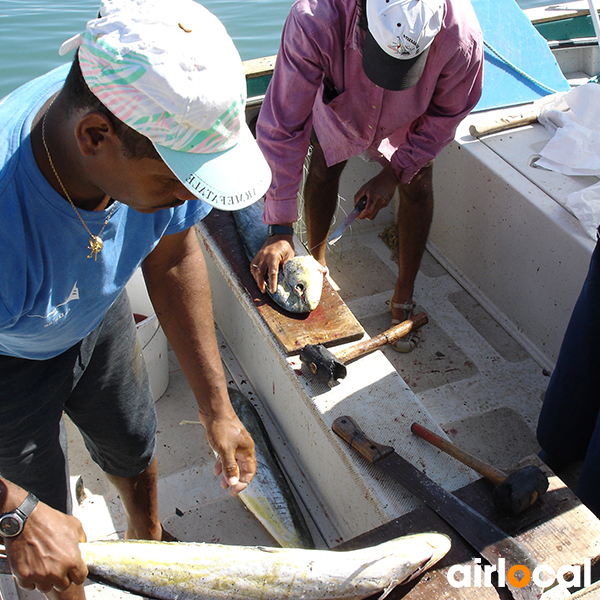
(101, 383)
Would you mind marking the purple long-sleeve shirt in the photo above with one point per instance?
(322, 41)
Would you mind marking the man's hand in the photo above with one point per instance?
(46, 556)
(235, 449)
(275, 252)
(379, 191)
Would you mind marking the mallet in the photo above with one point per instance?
(512, 493)
(329, 367)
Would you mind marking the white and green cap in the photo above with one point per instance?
(169, 70)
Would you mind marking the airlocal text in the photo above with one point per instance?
(465, 576)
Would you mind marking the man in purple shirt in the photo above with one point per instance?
(388, 78)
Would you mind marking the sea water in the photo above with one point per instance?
(31, 31)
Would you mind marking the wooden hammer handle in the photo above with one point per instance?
(387, 337)
(503, 123)
(489, 472)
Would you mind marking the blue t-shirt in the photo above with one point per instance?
(51, 294)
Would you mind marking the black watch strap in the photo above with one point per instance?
(280, 230)
(13, 521)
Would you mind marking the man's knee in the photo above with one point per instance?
(420, 187)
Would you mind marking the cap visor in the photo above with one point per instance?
(228, 180)
(391, 73)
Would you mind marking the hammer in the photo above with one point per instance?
(329, 367)
(512, 493)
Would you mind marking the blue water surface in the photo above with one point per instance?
(31, 31)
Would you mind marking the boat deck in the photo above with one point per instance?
(478, 384)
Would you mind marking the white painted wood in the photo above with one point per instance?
(594, 14)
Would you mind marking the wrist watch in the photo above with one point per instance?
(12, 522)
(280, 230)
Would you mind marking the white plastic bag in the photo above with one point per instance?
(574, 119)
(585, 205)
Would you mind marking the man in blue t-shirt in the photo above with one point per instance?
(107, 165)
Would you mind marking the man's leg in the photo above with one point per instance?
(569, 423)
(140, 502)
(320, 201)
(33, 441)
(414, 220)
(112, 406)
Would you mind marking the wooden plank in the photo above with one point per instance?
(558, 530)
(590, 593)
(259, 67)
(331, 323)
(557, 11)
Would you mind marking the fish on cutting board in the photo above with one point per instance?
(300, 280)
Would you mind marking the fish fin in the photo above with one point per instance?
(388, 590)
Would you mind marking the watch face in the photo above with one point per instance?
(10, 525)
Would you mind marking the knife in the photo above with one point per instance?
(358, 208)
(485, 537)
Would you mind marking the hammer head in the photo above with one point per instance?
(323, 363)
(520, 490)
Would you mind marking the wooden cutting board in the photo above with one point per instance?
(330, 324)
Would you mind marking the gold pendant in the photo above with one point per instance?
(95, 245)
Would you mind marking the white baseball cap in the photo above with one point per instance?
(400, 33)
(169, 70)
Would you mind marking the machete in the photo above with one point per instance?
(485, 537)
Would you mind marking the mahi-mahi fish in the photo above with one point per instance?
(299, 281)
(269, 496)
(196, 571)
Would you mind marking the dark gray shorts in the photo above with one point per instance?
(102, 384)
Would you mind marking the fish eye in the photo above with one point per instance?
(300, 287)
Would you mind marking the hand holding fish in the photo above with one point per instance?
(275, 252)
(45, 555)
(379, 192)
(294, 282)
(236, 459)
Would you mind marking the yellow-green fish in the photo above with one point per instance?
(189, 571)
(269, 496)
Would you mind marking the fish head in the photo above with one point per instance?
(299, 285)
(305, 278)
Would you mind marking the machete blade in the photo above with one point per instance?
(486, 538)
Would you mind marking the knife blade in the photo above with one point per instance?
(486, 538)
(358, 208)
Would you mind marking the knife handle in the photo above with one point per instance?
(361, 204)
(351, 433)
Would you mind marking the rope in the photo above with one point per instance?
(519, 71)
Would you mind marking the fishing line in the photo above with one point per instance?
(300, 225)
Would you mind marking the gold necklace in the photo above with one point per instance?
(95, 244)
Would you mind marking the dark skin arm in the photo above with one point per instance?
(177, 281)
(46, 554)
